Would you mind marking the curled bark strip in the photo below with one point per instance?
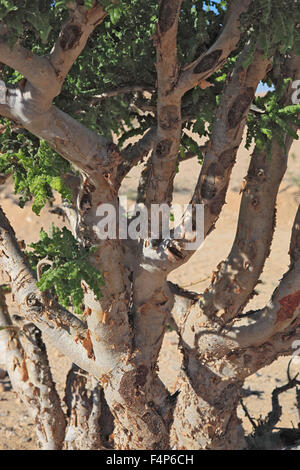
(87, 344)
(288, 306)
(40, 265)
(24, 372)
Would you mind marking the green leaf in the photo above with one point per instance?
(70, 267)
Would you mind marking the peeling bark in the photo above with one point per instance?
(29, 372)
(218, 355)
(83, 400)
(234, 281)
(59, 325)
(163, 170)
(226, 138)
(114, 396)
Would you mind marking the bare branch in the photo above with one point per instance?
(226, 137)
(65, 331)
(283, 309)
(44, 76)
(235, 278)
(87, 150)
(147, 172)
(216, 56)
(221, 356)
(134, 153)
(36, 69)
(122, 91)
(72, 40)
(166, 150)
(294, 250)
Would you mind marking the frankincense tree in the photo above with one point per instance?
(78, 80)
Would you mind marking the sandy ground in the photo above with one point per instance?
(16, 426)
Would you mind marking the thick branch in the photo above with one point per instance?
(72, 40)
(164, 157)
(122, 91)
(44, 76)
(84, 410)
(226, 137)
(213, 59)
(221, 358)
(31, 378)
(134, 153)
(235, 278)
(233, 283)
(87, 150)
(35, 68)
(147, 172)
(64, 330)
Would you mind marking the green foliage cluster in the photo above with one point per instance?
(116, 56)
(120, 53)
(40, 16)
(70, 266)
(271, 24)
(37, 170)
(34, 17)
(274, 121)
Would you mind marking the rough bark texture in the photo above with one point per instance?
(215, 357)
(29, 372)
(83, 401)
(114, 396)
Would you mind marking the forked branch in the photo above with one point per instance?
(66, 331)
